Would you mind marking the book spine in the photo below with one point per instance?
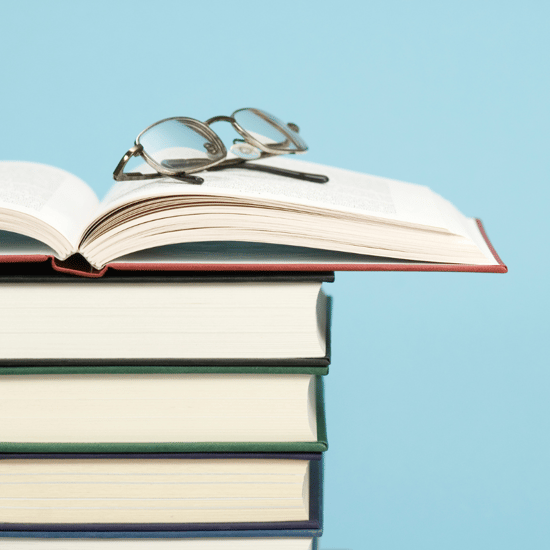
(77, 265)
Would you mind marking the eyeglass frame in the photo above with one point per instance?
(203, 128)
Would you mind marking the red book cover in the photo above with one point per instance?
(203, 260)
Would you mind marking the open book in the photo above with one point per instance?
(237, 219)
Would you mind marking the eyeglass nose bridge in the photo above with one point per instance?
(248, 139)
(221, 118)
(231, 120)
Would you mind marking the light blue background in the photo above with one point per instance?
(438, 394)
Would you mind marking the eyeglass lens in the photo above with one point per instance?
(176, 146)
(266, 129)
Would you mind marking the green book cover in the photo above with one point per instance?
(320, 445)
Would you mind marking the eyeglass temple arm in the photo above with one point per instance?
(136, 150)
(315, 178)
(240, 163)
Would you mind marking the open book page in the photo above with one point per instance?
(349, 192)
(459, 224)
(352, 213)
(51, 195)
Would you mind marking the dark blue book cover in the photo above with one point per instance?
(312, 527)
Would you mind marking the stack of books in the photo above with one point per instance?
(175, 405)
(162, 352)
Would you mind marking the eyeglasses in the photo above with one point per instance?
(178, 147)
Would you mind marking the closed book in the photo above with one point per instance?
(164, 494)
(194, 319)
(209, 541)
(271, 409)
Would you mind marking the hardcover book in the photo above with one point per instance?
(163, 495)
(213, 542)
(169, 319)
(232, 411)
(236, 220)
